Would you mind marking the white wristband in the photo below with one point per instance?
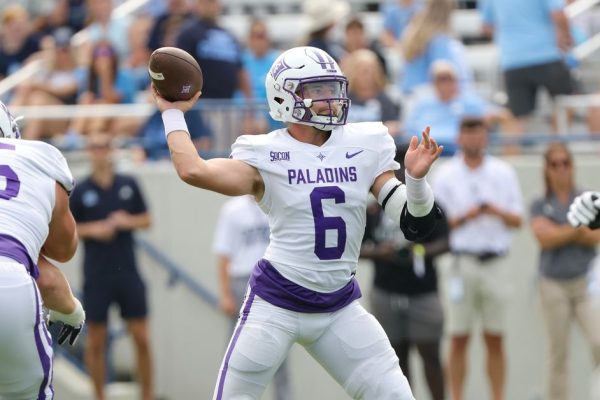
(76, 318)
(419, 196)
(173, 120)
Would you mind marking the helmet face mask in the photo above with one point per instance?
(8, 124)
(306, 86)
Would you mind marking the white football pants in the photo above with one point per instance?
(349, 343)
(25, 344)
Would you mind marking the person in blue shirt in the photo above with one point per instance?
(532, 50)
(216, 50)
(152, 139)
(446, 105)
(108, 207)
(257, 60)
(396, 16)
(427, 39)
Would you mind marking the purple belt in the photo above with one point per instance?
(271, 286)
(12, 248)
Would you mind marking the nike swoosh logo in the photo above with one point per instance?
(348, 155)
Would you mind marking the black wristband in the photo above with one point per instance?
(418, 228)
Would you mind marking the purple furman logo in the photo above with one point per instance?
(279, 67)
(186, 88)
(322, 58)
(280, 155)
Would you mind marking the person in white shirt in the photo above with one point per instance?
(35, 223)
(313, 180)
(240, 240)
(483, 202)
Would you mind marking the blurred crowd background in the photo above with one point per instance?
(410, 63)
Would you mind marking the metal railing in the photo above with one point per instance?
(563, 105)
(177, 274)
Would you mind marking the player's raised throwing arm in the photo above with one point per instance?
(411, 204)
(226, 176)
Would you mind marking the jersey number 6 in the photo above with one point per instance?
(12, 186)
(323, 223)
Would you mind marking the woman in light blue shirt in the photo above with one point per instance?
(427, 39)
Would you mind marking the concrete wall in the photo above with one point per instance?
(189, 337)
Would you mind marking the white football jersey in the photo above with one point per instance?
(315, 198)
(28, 172)
(242, 235)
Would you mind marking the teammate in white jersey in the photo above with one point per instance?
(313, 180)
(35, 222)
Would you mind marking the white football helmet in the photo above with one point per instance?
(306, 86)
(8, 124)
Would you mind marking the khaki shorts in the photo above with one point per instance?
(473, 290)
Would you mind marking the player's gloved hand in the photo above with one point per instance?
(585, 210)
(72, 323)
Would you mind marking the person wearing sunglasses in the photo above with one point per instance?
(566, 255)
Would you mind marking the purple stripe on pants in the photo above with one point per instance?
(44, 357)
(236, 335)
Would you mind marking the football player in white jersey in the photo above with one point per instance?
(35, 223)
(313, 180)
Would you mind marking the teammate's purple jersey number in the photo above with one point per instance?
(323, 223)
(12, 180)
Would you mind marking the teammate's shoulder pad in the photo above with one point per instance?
(51, 161)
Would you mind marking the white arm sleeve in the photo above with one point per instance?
(417, 195)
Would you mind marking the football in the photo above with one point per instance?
(175, 74)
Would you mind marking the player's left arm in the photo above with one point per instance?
(412, 204)
(54, 287)
(62, 239)
(59, 299)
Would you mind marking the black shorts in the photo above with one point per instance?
(127, 291)
(522, 85)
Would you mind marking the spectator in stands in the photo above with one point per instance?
(355, 38)
(444, 107)
(136, 62)
(19, 40)
(483, 202)
(67, 13)
(152, 135)
(532, 51)
(216, 50)
(220, 56)
(322, 18)
(396, 16)
(38, 10)
(106, 83)
(135, 68)
(241, 238)
(108, 207)
(257, 59)
(404, 297)
(427, 39)
(167, 25)
(103, 26)
(367, 91)
(566, 254)
(56, 84)
(63, 13)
